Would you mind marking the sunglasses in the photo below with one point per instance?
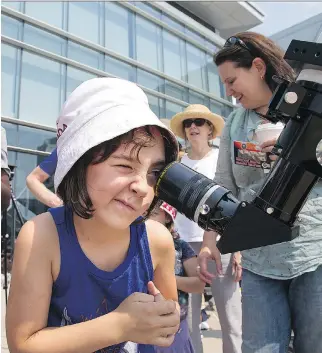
(237, 41)
(198, 122)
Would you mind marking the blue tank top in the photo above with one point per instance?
(83, 292)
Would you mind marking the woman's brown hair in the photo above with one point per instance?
(259, 47)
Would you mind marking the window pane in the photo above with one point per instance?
(196, 98)
(9, 78)
(41, 82)
(176, 91)
(15, 5)
(75, 77)
(11, 133)
(172, 109)
(194, 35)
(196, 66)
(148, 9)
(118, 28)
(150, 81)
(85, 55)
(84, 20)
(156, 104)
(217, 108)
(148, 43)
(27, 137)
(36, 139)
(120, 69)
(213, 77)
(212, 46)
(44, 40)
(174, 56)
(172, 22)
(10, 27)
(49, 12)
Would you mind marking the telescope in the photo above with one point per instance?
(270, 217)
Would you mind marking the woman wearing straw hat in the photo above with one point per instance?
(197, 125)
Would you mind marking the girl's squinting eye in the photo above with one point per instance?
(124, 166)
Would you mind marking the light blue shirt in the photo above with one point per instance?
(279, 261)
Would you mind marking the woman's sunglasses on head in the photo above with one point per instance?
(237, 41)
(198, 122)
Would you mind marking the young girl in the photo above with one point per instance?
(186, 276)
(82, 271)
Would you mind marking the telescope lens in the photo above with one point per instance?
(196, 196)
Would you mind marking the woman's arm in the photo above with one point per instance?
(36, 249)
(36, 179)
(35, 182)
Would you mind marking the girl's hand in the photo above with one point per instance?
(149, 319)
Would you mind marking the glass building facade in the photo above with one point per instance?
(49, 48)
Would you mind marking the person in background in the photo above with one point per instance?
(36, 179)
(5, 173)
(186, 277)
(282, 283)
(198, 126)
(82, 273)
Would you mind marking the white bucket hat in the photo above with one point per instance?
(97, 111)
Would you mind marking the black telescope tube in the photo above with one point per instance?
(196, 196)
(285, 191)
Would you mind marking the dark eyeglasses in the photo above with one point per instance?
(237, 41)
(198, 122)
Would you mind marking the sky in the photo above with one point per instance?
(281, 15)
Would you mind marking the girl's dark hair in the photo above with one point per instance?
(170, 226)
(73, 189)
(260, 47)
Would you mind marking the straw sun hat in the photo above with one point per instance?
(195, 111)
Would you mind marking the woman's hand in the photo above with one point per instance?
(237, 269)
(267, 147)
(209, 251)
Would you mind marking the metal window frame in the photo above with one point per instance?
(63, 60)
(7, 119)
(15, 121)
(27, 150)
(99, 48)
